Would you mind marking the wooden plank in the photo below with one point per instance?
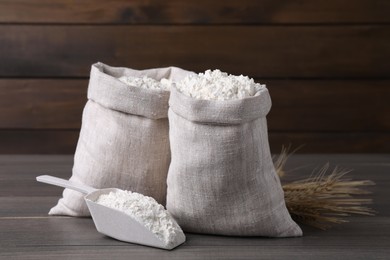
(38, 141)
(327, 105)
(65, 234)
(257, 51)
(18, 185)
(77, 238)
(332, 142)
(20, 172)
(43, 103)
(64, 142)
(199, 253)
(298, 105)
(67, 225)
(194, 12)
(22, 196)
(26, 207)
(39, 204)
(27, 233)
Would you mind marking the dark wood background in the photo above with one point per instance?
(325, 62)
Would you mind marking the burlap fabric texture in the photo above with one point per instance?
(123, 141)
(221, 178)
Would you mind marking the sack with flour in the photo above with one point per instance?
(123, 141)
(221, 179)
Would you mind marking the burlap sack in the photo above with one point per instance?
(123, 140)
(221, 179)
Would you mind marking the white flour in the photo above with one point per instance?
(146, 82)
(148, 212)
(217, 85)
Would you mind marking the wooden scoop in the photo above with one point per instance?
(109, 221)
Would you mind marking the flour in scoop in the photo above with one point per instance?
(148, 212)
(146, 82)
(217, 85)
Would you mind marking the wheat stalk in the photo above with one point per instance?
(324, 199)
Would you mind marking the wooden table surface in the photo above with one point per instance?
(27, 232)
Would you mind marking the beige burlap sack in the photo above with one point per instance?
(123, 140)
(221, 179)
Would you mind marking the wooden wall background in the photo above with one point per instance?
(325, 62)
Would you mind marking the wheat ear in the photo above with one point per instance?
(324, 199)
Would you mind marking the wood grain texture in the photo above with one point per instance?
(326, 63)
(26, 207)
(77, 238)
(257, 51)
(64, 141)
(189, 252)
(194, 12)
(42, 104)
(26, 232)
(331, 142)
(298, 105)
(329, 105)
(38, 141)
(18, 186)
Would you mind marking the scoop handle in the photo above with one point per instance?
(65, 183)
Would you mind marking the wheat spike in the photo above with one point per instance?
(323, 199)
